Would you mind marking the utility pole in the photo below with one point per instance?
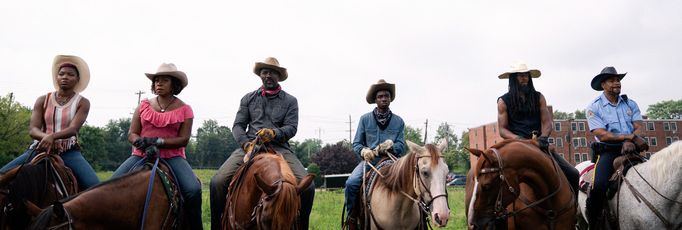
(139, 96)
(426, 128)
(319, 134)
(350, 130)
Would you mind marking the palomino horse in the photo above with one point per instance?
(655, 200)
(516, 185)
(264, 194)
(410, 189)
(43, 181)
(118, 204)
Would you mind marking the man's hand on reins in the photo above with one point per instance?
(266, 135)
(640, 143)
(628, 148)
(368, 154)
(383, 147)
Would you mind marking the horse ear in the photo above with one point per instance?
(32, 209)
(268, 189)
(476, 152)
(442, 145)
(305, 183)
(414, 147)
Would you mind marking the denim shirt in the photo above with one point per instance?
(617, 119)
(279, 112)
(370, 135)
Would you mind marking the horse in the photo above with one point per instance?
(264, 194)
(656, 182)
(119, 204)
(408, 191)
(44, 180)
(515, 185)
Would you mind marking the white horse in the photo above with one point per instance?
(664, 173)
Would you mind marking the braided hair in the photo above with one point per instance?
(523, 99)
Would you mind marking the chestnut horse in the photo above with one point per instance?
(43, 181)
(264, 194)
(409, 190)
(118, 204)
(516, 185)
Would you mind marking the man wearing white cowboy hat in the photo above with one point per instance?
(378, 131)
(57, 118)
(522, 112)
(612, 118)
(271, 114)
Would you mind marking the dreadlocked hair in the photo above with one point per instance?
(521, 101)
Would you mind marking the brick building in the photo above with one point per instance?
(572, 138)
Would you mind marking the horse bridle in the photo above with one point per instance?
(501, 212)
(257, 213)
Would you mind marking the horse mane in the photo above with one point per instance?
(286, 194)
(508, 141)
(398, 176)
(665, 162)
(43, 219)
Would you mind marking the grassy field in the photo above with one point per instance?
(328, 205)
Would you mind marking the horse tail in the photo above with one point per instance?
(286, 206)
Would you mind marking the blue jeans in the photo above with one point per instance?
(84, 173)
(187, 181)
(353, 185)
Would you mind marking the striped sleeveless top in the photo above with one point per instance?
(57, 117)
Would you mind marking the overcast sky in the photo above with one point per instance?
(443, 56)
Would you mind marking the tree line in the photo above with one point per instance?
(107, 147)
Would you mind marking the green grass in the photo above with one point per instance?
(327, 206)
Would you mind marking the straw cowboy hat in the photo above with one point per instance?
(169, 69)
(520, 67)
(81, 66)
(271, 63)
(380, 85)
(607, 72)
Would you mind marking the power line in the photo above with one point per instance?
(139, 96)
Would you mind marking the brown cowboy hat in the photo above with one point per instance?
(606, 73)
(271, 63)
(169, 69)
(81, 66)
(520, 67)
(380, 85)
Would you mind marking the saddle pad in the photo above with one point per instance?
(586, 178)
(372, 175)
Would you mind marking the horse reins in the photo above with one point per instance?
(502, 213)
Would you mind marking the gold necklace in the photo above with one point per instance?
(163, 110)
(61, 100)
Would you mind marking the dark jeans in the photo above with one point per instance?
(570, 172)
(84, 173)
(220, 182)
(595, 201)
(187, 181)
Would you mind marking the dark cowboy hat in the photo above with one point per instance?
(271, 63)
(606, 73)
(380, 85)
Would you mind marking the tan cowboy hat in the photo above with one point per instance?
(169, 69)
(380, 85)
(271, 63)
(520, 67)
(81, 66)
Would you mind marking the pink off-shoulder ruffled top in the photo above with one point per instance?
(163, 125)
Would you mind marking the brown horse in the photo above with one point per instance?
(118, 204)
(44, 180)
(264, 194)
(408, 191)
(516, 185)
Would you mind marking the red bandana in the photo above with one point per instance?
(264, 92)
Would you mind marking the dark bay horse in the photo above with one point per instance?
(264, 194)
(515, 185)
(408, 191)
(44, 180)
(118, 204)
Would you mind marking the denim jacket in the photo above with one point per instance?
(370, 135)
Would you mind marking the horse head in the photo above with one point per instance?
(431, 174)
(52, 217)
(490, 195)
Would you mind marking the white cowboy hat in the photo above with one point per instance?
(169, 69)
(520, 67)
(81, 66)
(271, 63)
(380, 85)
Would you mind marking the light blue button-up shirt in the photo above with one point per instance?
(370, 135)
(617, 119)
